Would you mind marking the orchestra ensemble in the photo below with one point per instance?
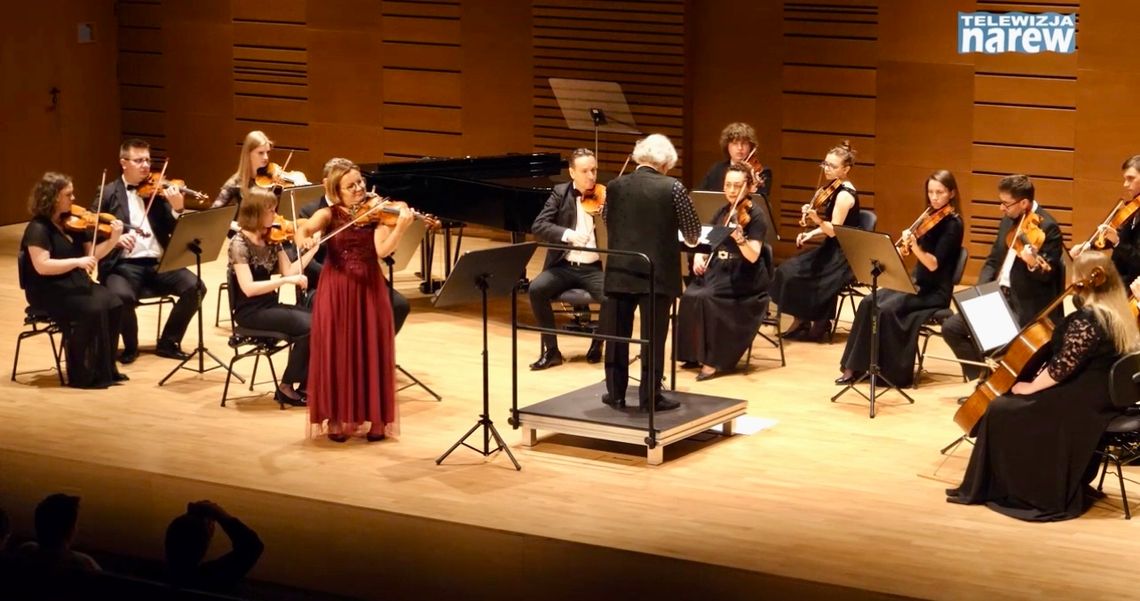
(88, 268)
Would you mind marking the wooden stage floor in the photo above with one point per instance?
(824, 503)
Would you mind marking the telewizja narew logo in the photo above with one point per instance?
(995, 33)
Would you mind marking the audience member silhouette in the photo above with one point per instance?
(188, 538)
(57, 519)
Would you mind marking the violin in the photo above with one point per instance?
(594, 199)
(1029, 233)
(758, 177)
(274, 175)
(386, 213)
(79, 220)
(147, 187)
(281, 231)
(1120, 214)
(821, 196)
(925, 222)
(1024, 355)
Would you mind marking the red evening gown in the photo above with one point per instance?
(352, 362)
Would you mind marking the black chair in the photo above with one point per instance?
(853, 290)
(37, 322)
(933, 325)
(251, 342)
(578, 303)
(776, 340)
(150, 298)
(218, 307)
(1120, 443)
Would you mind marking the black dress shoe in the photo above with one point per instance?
(128, 356)
(370, 437)
(707, 375)
(118, 377)
(284, 399)
(843, 380)
(691, 365)
(663, 404)
(797, 332)
(819, 331)
(170, 350)
(594, 355)
(550, 358)
(612, 402)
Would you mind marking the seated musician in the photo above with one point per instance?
(564, 220)
(1125, 240)
(1033, 457)
(253, 163)
(807, 285)
(133, 266)
(901, 315)
(400, 306)
(722, 308)
(738, 141)
(254, 256)
(1027, 284)
(57, 268)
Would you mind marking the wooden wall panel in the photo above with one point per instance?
(838, 42)
(638, 45)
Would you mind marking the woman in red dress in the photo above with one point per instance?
(352, 364)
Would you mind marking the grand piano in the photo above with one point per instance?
(503, 192)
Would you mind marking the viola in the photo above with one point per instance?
(1024, 355)
(925, 222)
(155, 180)
(1029, 233)
(281, 231)
(79, 220)
(594, 199)
(1120, 214)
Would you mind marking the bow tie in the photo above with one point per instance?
(132, 187)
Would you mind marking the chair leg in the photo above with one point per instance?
(921, 357)
(780, 339)
(56, 354)
(253, 376)
(229, 375)
(1123, 493)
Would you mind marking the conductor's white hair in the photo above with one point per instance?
(655, 150)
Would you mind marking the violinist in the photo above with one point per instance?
(1033, 456)
(901, 315)
(722, 308)
(352, 367)
(1030, 278)
(55, 277)
(565, 220)
(254, 166)
(807, 285)
(254, 255)
(133, 266)
(1124, 241)
(738, 142)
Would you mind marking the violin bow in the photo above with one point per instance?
(287, 159)
(94, 273)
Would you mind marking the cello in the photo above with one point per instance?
(1026, 353)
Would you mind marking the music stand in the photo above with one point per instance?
(871, 256)
(195, 233)
(398, 261)
(593, 105)
(301, 196)
(493, 272)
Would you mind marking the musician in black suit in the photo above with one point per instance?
(563, 220)
(1028, 285)
(644, 211)
(400, 306)
(738, 141)
(1125, 240)
(133, 265)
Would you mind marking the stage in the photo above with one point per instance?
(824, 503)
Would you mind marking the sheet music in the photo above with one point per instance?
(991, 320)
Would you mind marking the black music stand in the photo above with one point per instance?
(494, 271)
(195, 234)
(401, 256)
(593, 105)
(871, 256)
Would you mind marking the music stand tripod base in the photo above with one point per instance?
(492, 271)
